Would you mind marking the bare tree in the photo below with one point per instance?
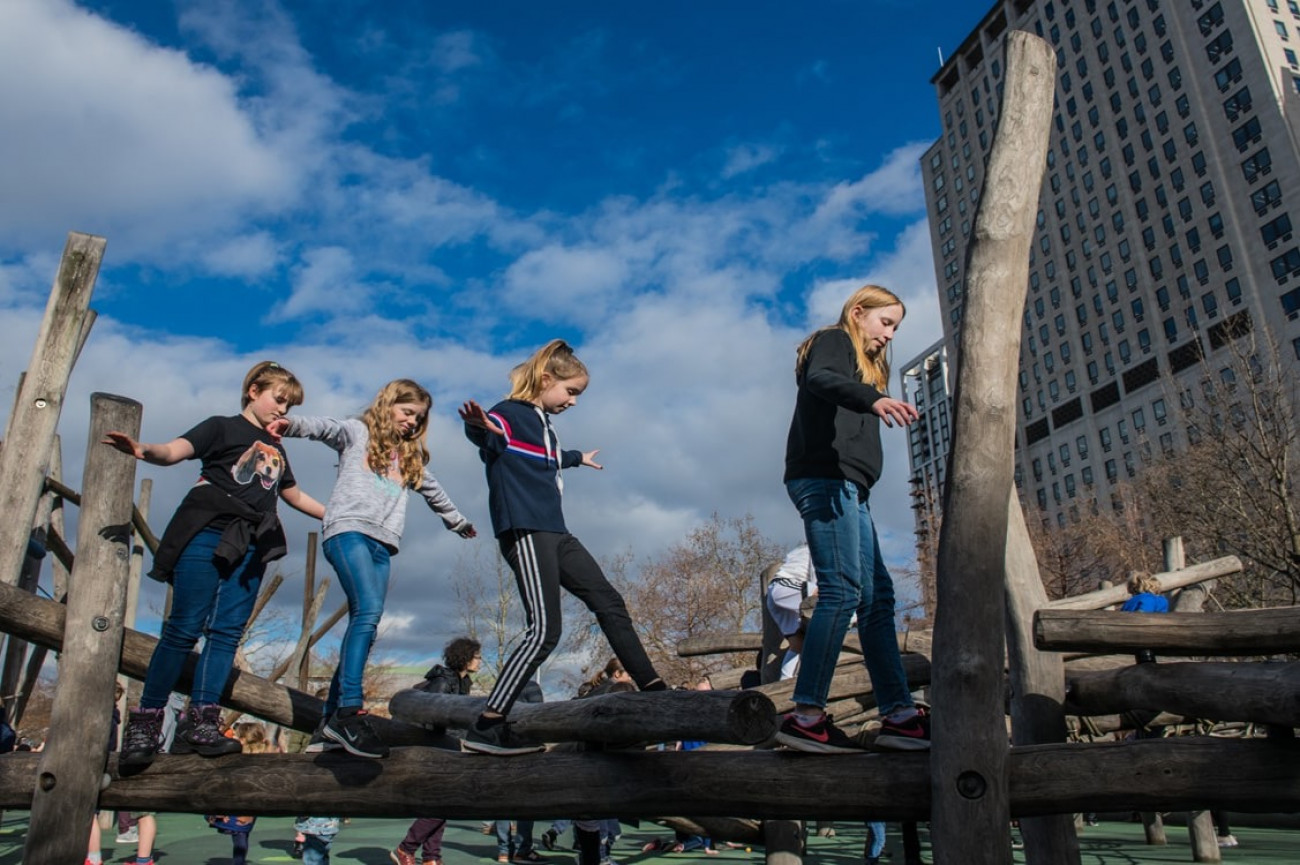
(709, 583)
(1232, 490)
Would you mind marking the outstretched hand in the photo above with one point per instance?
(473, 414)
(892, 410)
(275, 429)
(124, 443)
(589, 460)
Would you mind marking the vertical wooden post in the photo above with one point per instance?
(37, 407)
(970, 808)
(783, 842)
(1037, 688)
(72, 764)
(310, 610)
(1200, 824)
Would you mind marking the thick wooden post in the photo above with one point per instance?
(72, 764)
(40, 400)
(311, 607)
(970, 820)
(1037, 688)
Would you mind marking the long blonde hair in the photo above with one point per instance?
(385, 439)
(873, 364)
(555, 359)
(252, 735)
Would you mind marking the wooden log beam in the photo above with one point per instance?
(41, 621)
(1238, 632)
(850, 682)
(1168, 580)
(39, 401)
(72, 763)
(718, 828)
(723, 644)
(1157, 775)
(1262, 693)
(731, 717)
(969, 757)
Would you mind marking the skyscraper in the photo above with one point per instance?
(1163, 235)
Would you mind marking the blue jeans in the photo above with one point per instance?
(875, 839)
(208, 601)
(362, 565)
(520, 844)
(851, 578)
(316, 849)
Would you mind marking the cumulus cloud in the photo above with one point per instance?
(747, 157)
(118, 133)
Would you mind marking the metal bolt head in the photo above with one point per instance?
(100, 623)
(41, 403)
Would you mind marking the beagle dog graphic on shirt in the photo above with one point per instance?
(260, 462)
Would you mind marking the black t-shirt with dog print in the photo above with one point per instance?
(241, 459)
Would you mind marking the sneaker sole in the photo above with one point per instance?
(808, 746)
(887, 742)
(499, 750)
(322, 747)
(341, 742)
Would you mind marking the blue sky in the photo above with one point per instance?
(370, 190)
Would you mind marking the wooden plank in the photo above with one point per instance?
(40, 401)
(1255, 776)
(72, 763)
(1271, 631)
(971, 825)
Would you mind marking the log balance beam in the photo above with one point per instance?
(1146, 775)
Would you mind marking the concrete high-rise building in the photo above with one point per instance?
(1164, 232)
(925, 384)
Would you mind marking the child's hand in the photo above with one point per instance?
(589, 460)
(275, 429)
(124, 443)
(466, 530)
(473, 414)
(894, 410)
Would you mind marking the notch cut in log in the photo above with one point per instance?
(1262, 693)
(730, 717)
(1238, 632)
(1148, 775)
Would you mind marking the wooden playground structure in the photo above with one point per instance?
(995, 633)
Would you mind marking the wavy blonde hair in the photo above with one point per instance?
(555, 359)
(873, 364)
(386, 442)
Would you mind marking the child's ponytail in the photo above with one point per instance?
(555, 359)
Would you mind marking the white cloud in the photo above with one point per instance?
(747, 157)
(325, 281)
(247, 255)
(120, 136)
(893, 188)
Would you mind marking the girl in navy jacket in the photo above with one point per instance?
(523, 459)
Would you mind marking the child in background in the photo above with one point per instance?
(794, 582)
(214, 553)
(833, 457)
(318, 834)
(521, 452)
(382, 455)
(251, 735)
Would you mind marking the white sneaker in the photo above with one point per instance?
(130, 836)
(1227, 841)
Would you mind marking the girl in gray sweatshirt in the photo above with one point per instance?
(382, 455)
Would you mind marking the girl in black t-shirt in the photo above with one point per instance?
(214, 552)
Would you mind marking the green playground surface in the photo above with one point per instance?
(185, 839)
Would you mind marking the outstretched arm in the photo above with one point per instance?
(172, 452)
(475, 415)
(295, 498)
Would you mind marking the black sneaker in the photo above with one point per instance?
(318, 743)
(549, 837)
(822, 737)
(354, 733)
(499, 739)
(140, 740)
(199, 732)
(912, 734)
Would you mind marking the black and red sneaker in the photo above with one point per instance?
(820, 737)
(910, 734)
